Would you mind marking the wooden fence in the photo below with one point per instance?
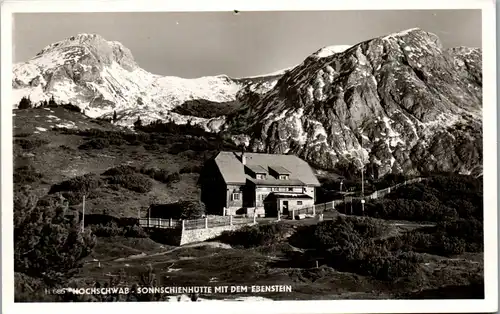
(384, 192)
(192, 224)
(312, 210)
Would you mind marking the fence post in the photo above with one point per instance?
(293, 214)
(389, 190)
(279, 215)
(254, 219)
(314, 210)
(230, 220)
(170, 222)
(183, 226)
(206, 223)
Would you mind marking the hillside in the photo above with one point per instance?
(102, 76)
(53, 145)
(398, 103)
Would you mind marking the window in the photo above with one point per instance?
(299, 202)
(276, 189)
(260, 176)
(236, 196)
(290, 189)
(283, 177)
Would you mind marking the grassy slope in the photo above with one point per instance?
(58, 164)
(217, 265)
(202, 264)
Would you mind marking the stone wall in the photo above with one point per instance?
(170, 236)
(199, 235)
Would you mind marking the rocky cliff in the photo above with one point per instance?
(397, 103)
(102, 76)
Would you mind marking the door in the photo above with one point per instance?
(285, 208)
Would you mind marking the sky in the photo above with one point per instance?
(195, 44)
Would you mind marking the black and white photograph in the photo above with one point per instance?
(252, 155)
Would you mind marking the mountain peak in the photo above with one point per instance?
(94, 46)
(403, 33)
(330, 50)
(403, 94)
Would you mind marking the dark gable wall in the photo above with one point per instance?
(213, 188)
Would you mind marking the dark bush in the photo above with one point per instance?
(25, 103)
(349, 244)
(152, 147)
(135, 182)
(26, 175)
(47, 244)
(191, 169)
(30, 144)
(112, 229)
(254, 236)
(179, 210)
(161, 175)
(120, 170)
(96, 143)
(437, 199)
(71, 107)
(391, 266)
(65, 147)
(206, 109)
(85, 184)
(174, 177)
(406, 209)
(23, 134)
(447, 238)
(134, 231)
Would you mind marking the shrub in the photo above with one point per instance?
(135, 182)
(120, 170)
(348, 244)
(191, 169)
(23, 134)
(152, 147)
(65, 147)
(254, 236)
(71, 107)
(26, 175)
(100, 143)
(206, 109)
(392, 266)
(85, 183)
(25, 103)
(161, 175)
(179, 210)
(96, 143)
(47, 244)
(134, 231)
(110, 229)
(30, 144)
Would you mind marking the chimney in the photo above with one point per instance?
(243, 157)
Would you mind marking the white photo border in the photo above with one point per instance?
(489, 304)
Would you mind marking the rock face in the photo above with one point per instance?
(398, 103)
(101, 76)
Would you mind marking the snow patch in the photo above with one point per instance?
(402, 33)
(331, 50)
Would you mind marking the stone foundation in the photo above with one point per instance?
(200, 235)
